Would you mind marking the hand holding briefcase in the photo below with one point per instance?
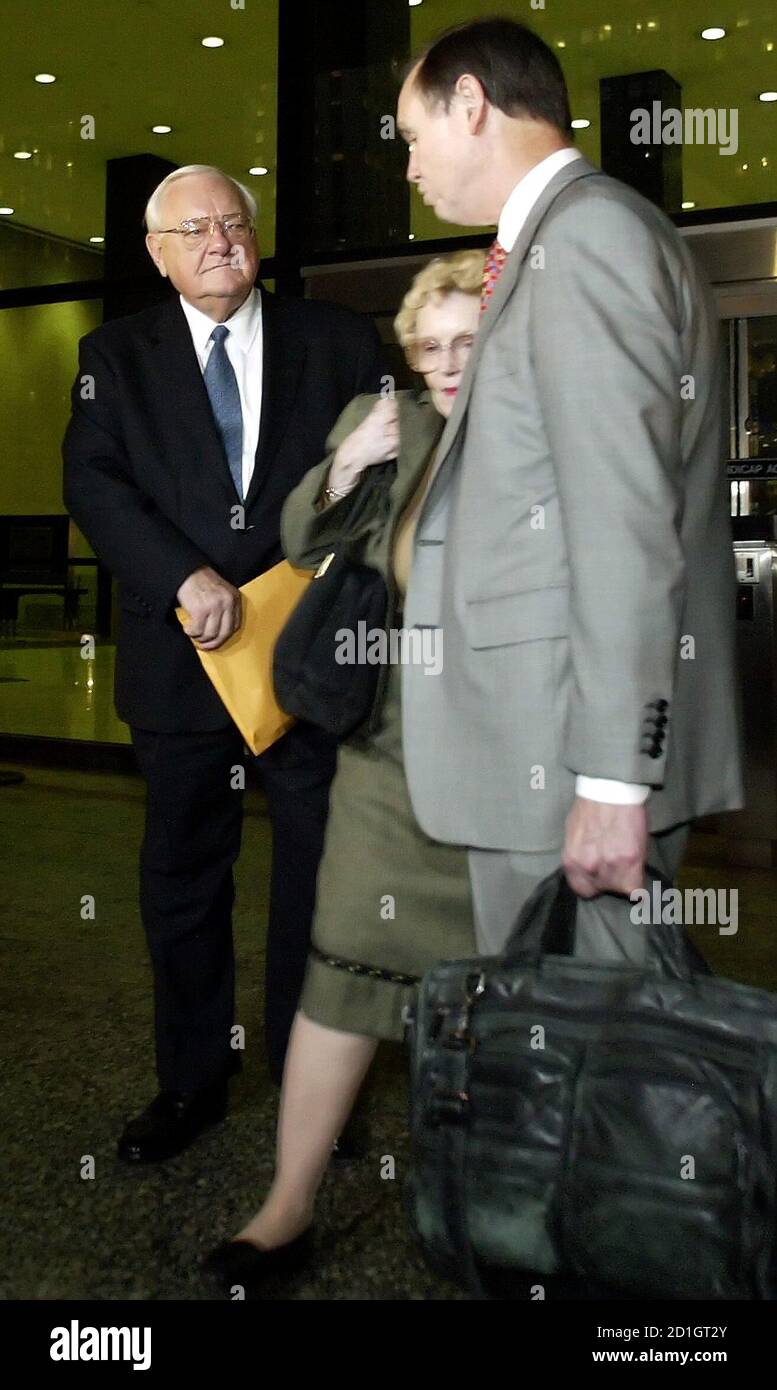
(612, 1123)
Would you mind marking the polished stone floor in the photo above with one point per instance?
(77, 1028)
(54, 689)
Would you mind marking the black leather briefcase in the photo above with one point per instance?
(610, 1125)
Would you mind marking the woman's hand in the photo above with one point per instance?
(375, 440)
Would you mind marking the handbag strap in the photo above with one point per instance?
(378, 483)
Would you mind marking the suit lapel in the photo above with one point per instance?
(283, 356)
(196, 440)
(579, 168)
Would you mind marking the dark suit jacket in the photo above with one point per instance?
(147, 480)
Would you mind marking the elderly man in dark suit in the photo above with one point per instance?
(192, 421)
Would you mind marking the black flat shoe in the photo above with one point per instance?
(350, 1147)
(171, 1123)
(241, 1263)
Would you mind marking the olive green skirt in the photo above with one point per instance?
(389, 899)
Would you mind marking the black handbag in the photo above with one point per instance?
(610, 1125)
(311, 679)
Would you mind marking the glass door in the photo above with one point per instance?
(749, 348)
(760, 387)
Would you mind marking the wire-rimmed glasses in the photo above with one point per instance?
(196, 231)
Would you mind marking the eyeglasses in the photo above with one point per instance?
(197, 230)
(428, 355)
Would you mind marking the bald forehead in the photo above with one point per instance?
(198, 195)
(412, 103)
(408, 88)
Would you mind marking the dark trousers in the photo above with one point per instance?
(194, 815)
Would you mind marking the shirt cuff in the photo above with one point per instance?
(616, 793)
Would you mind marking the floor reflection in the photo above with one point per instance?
(59, 691)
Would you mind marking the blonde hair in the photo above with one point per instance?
(461, 270)
(153, 216)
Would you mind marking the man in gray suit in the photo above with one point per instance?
(574, 544)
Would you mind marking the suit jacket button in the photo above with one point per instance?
(661, 705)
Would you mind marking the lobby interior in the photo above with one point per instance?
(291, 101)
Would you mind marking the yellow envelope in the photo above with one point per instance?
(241, 670)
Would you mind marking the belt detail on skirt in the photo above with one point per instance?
(355, 967)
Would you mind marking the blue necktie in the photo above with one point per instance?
(221, 385)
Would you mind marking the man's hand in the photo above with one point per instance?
(605, 847)
(214, 606)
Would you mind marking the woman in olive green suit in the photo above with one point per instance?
(390, 901)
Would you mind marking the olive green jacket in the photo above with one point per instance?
(368, 513)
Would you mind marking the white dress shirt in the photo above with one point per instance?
(244, 349)
(511, 220)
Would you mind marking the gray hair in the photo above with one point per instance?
(153, 214)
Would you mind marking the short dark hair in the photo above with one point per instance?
(519, 74)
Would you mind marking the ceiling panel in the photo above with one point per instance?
(604, 38)
(132, 64)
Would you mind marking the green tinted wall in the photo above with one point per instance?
(39, 356)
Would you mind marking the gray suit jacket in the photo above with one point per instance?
(575, 545)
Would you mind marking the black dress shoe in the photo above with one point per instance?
(171, 1123)
(241, 1263)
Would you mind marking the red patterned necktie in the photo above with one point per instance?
(493, 269)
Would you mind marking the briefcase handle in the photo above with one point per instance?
(546, 926)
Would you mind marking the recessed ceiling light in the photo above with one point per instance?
(258, 169)
(561, 43)
(22, 154)
(45, 78)
(213, 42)
(161, 129)
(713, 33)
(6, 212)
(411, 3)
(745, 166)
(580, 124)
(688, 206)
(97, 239)
(411, 236)
(767, 96)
